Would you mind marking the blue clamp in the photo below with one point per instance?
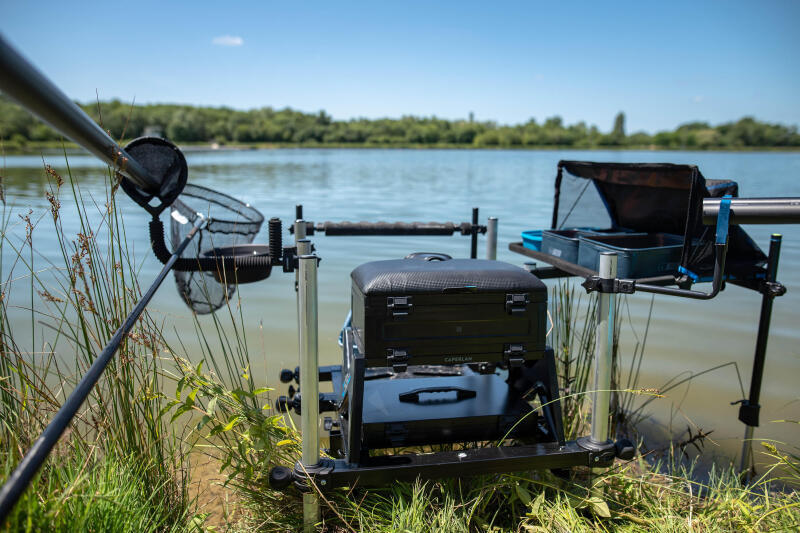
(683, 270)
(723, 218)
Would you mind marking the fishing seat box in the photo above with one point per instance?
(415, 312)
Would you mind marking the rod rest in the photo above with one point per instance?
(228, 264)
(335, 229)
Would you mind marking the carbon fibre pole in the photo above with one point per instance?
(21, 477)
(20, 80)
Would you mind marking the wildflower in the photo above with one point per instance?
(28, 226)
(55, 175)
(55, 204)
(49, 297)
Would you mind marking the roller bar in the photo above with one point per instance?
(755, 211)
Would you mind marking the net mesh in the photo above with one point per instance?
(229, 222)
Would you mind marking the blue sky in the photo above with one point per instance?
(662, 63)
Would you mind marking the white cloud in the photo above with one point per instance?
(228, 40)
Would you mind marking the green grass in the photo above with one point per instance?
(124, 465)
(77, 491)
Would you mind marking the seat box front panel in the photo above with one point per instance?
(447, 332)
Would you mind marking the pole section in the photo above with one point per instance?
(602, 352)
(30, 88)
(491, 238)
(309, 379)
(755, 210)
(749, 410)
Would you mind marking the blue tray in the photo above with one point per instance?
(532, 239)
(639, 255)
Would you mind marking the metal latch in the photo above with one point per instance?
(399, 306)
(397, 359)
(516, 303)
(515, 354)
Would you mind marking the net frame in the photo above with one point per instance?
(229, 223)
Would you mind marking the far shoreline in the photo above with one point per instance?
(50, 147)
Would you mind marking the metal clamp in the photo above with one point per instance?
(609, 286)
(773, 289)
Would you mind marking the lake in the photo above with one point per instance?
(684, 337)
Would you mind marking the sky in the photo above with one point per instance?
(662, 63)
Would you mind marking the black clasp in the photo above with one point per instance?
(516, 303)
(515, 355)
(399, 306)
(397, 359)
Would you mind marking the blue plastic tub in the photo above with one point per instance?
(532, 239)
(639, 255)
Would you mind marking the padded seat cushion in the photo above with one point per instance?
(410, 276)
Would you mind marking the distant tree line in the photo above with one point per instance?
(189, 124)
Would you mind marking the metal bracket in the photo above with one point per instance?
(289, 258)
(609, 286)
(748, 412)
(600, 453)
(772, 289)
(318, 474)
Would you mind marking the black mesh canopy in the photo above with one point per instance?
(652, 198)
(229, 223)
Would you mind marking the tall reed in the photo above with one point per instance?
(75, 304)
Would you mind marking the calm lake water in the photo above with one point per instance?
(685, 336)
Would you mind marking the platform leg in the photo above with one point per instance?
(604, 343)
(309, 378)
(601, 393)
(491, 238)
(749, 410)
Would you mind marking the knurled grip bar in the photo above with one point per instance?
(335, 229)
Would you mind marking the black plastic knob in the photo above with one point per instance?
(286, 375)
(280, 477)
(624, 449)
(282, 404)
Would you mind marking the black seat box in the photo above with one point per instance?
(407, 311)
